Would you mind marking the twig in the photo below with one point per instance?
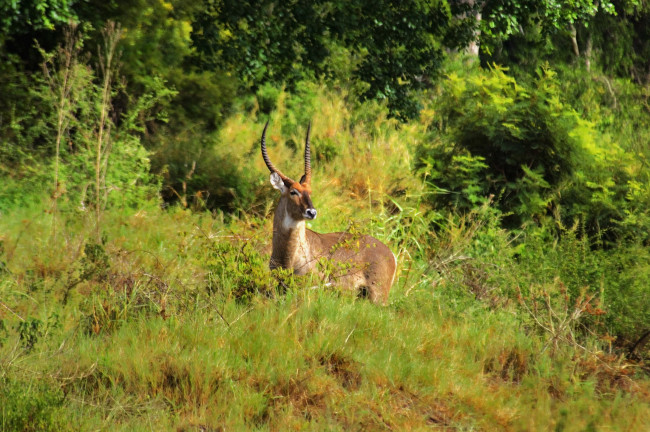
(292, 313)
(9, 309)
(243, 313)
(349, 335)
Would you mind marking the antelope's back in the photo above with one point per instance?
(365, 261)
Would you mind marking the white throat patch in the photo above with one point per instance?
(289, 223)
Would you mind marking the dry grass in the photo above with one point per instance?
(174, 323)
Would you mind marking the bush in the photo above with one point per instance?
(520, 142)
(30, 406)
(238, 271)
(509, 140)
(572, 268)
(200, 175)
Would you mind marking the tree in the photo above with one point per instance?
(623, 40)
(397, 46)
(20, 17)
(539, 20)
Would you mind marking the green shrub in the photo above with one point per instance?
(503, 138)
(617, 278)
(523, 144)
(614, 192)
(237, 270)
(201, 174)
(75, 116)
(30, 406)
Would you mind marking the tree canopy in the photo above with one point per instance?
(394, 47)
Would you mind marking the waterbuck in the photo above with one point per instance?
(355, 262)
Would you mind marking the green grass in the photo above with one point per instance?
(172, 320)
(143, 344)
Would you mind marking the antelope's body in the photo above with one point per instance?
(358, 262)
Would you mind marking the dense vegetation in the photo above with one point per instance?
(499, 148)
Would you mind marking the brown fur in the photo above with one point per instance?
(352, 262)
(360, 262)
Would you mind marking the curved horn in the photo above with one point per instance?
(307, 157)
(265, 156)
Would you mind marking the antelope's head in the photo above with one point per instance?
(296, 194)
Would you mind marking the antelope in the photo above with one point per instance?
(364, 264)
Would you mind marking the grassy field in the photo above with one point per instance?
(171, 320)
(173, 323)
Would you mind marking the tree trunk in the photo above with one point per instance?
(473, 46)
(574, 40)
(588, 48)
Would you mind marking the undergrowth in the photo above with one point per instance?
(134, 317)
(174, 322)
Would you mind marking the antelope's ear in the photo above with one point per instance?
(277, 183)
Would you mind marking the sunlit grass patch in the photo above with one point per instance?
(307, 358)
(171, 320)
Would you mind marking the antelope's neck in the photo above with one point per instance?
(290, 246)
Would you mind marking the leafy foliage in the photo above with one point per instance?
(521, 143)
(30, 406)
(398, 46)
(510, 141)
(515, 193)
(22, 17)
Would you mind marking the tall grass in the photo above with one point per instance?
(172, 321)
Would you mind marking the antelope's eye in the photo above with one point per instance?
(294, 192)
